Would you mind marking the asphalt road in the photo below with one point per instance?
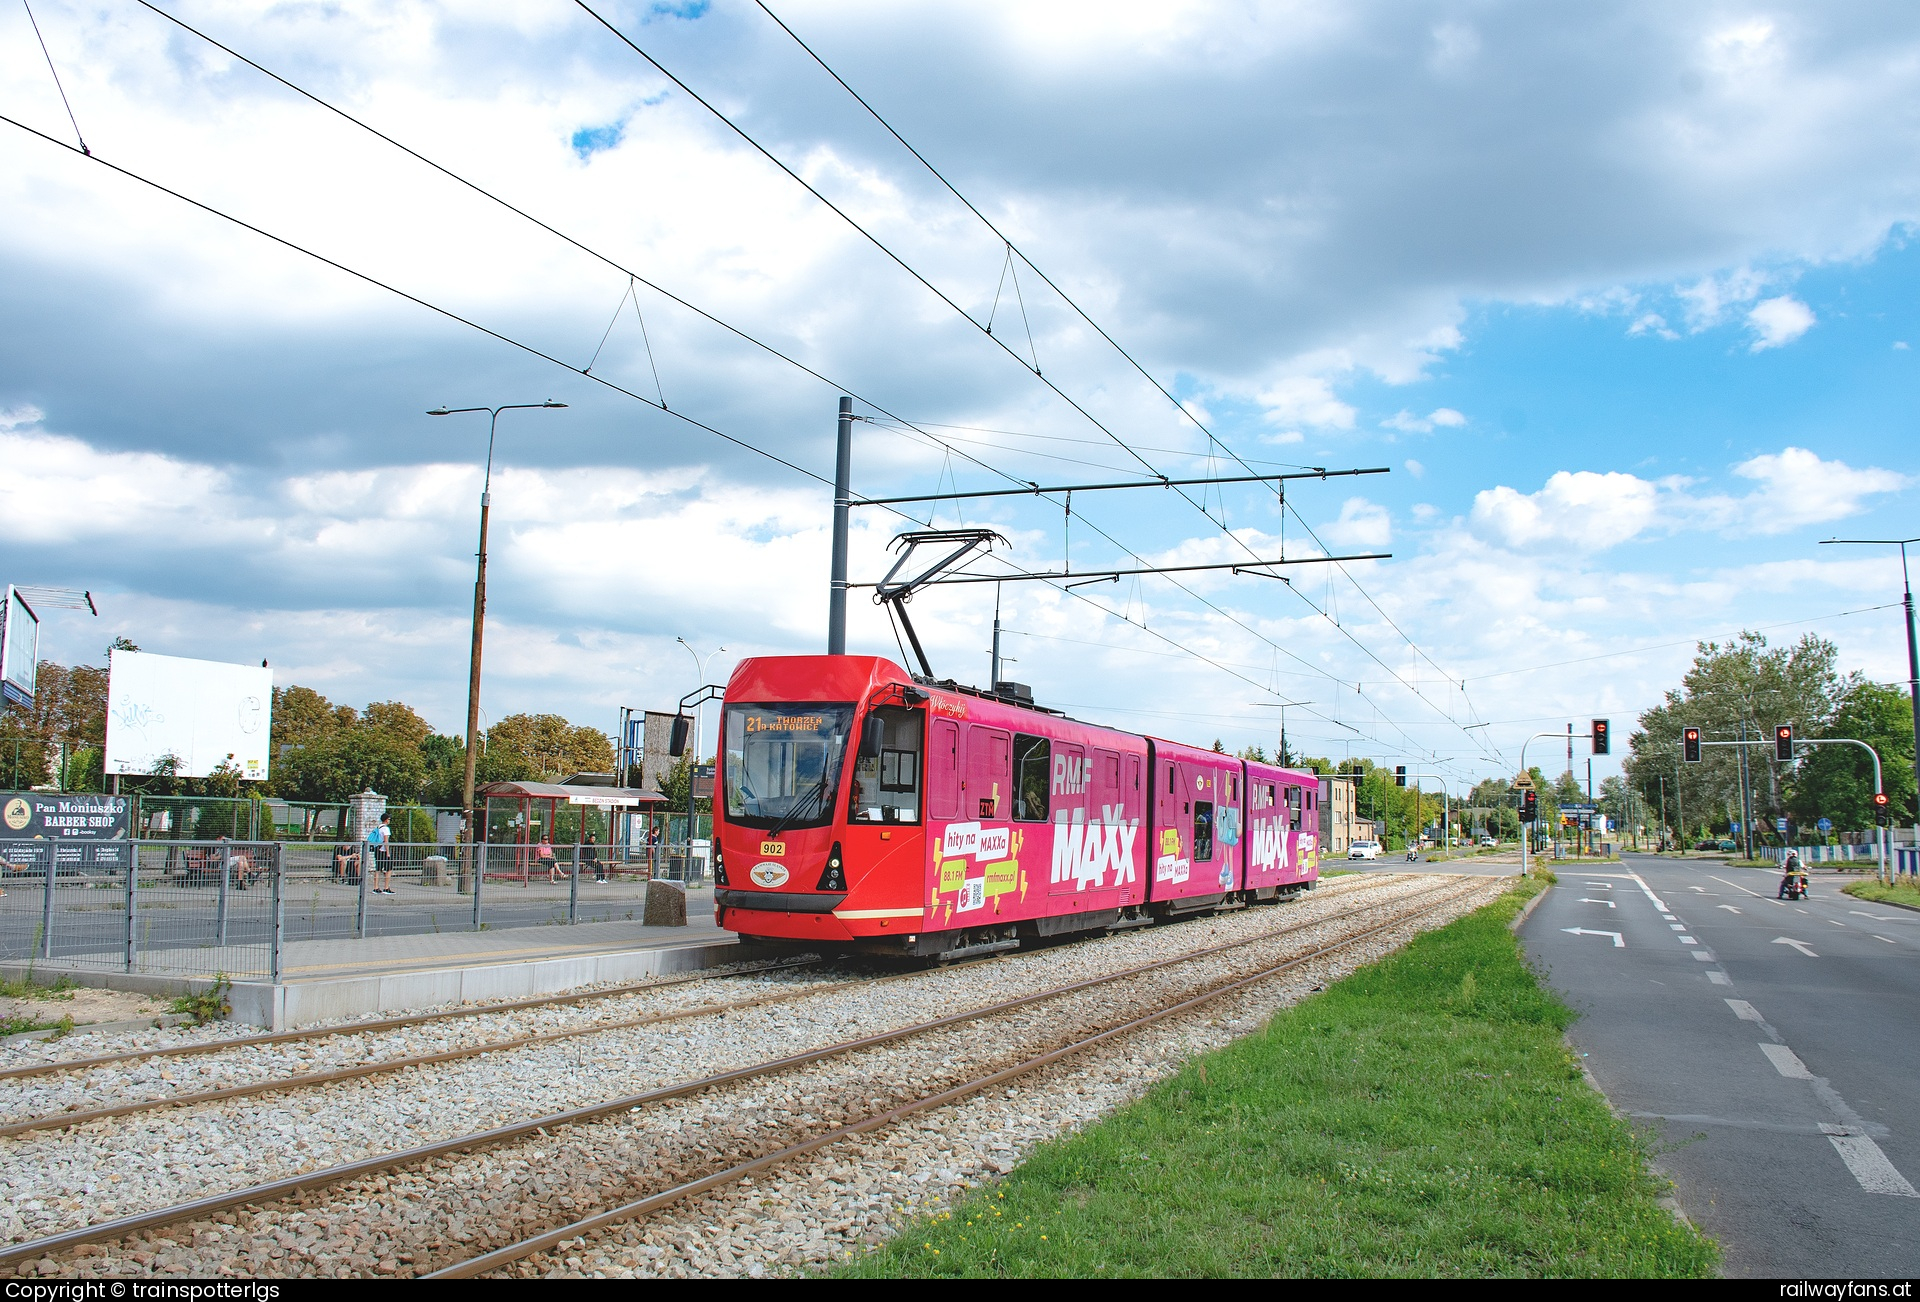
(1770, 1045)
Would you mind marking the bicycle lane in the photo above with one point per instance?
(1674, 1036)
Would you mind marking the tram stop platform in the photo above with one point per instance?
(325, 980)
(322, 980)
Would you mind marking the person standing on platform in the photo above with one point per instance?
(377, 863)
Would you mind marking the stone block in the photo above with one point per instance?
(666, 905)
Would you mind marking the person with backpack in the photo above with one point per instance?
(379, 861)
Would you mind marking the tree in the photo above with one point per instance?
(1744, 684)
(676, 783)
(446, 761)
(396, 719)
(331, 769)
(302, 715)
(1836, 782)
(551, 747)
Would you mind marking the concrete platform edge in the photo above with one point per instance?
(290, 1006)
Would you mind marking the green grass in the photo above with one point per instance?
(209, 1005)
(1872, 889)
(1423, 1117)
(28, 988)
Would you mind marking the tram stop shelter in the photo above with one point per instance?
(520, 816)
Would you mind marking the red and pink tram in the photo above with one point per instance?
(857, 808)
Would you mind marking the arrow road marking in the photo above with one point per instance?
(1728, 907)
(1877, 917)
(1582, 931)
(1800, 945)
(1609, 903)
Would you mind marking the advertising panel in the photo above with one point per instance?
(203, 713)
(19, 649)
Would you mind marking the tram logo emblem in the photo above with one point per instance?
(19, 813)
(768, 874)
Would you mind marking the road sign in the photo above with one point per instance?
(1780, 826)
(1579, 809)
(1735, 829)
(1825, 825)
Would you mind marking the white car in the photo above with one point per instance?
(1487, 840)
(1364, 850)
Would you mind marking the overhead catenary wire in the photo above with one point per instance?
(524, 347)
(635, 278)
(1012, 251)
(64, 101)
(741, 334)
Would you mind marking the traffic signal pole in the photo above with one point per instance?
(1526, 829)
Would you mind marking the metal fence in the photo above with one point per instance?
(248, 909)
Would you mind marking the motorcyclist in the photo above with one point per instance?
(1793, 871)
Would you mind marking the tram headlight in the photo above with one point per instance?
(835, 877)
(719, 867)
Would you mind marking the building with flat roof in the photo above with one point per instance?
(1340, 823)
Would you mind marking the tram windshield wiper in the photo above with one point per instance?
(803, 806)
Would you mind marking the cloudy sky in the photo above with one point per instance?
(1622, 297)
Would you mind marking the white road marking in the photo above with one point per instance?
(1647, 891)
(1728, 907)
(1688, 940)
(1877, 917)
(1599, 886)
(1738, 887)
(1582, 931)
(1890, 942)
(1786, 1062)
(1676, 926)
(1608, 903)
(1869, 1165)
(1743, 1010)
(1836, 922)
(1667, 916)
(1716, 976)
(1704, 955)
(1800, 945)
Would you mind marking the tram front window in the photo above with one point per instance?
(782, 764)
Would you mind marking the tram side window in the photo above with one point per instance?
(1032, 774)
(1202, 830)
(887, 774)
(1293, 808)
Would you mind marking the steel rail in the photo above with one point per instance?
(275, 1190)
(392, 1023)
(552, 1238)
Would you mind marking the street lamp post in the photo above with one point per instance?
(700, 667)
(1913, 662)
(480, 597)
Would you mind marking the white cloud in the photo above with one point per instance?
(1599, 510)
(1285, 438)
(1709, 299)
(1416, 469)
(1361, 524)
(1777, 321)
(1653, 324)
(1406, 420)
(1304, 400)
(1573, 505)
(1798, 488)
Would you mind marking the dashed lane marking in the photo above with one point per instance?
(1890, 942)
(1869, 1165)
(1786, 1062)
(1836, 922)
(1704, 955)
(1688, 940)
(1743, 1010)
(1716, 976)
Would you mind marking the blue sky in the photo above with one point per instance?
(1617, 295)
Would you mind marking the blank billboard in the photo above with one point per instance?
(203, 712)
(19, 649)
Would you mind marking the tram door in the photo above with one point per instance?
(943, 770)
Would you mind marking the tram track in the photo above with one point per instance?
(309, 1183)
(509, 1254)
(76, 1116)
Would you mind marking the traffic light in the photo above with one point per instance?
(1880, 807)
(1600, 739)
(1783, 742)
(1690, 745)
(1528, 803)
(1399, 775)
